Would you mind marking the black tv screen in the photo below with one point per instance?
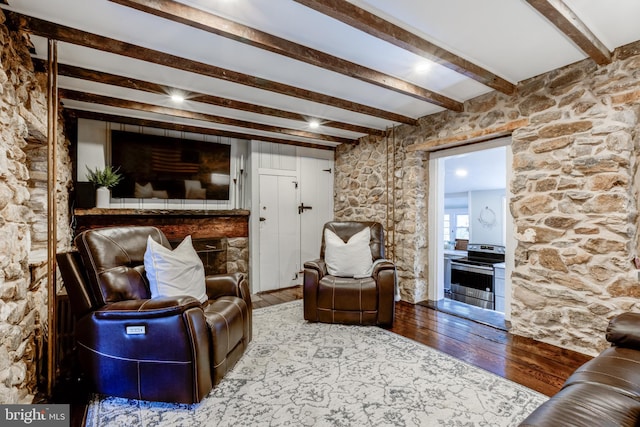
(161, 167)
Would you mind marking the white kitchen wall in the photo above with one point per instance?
(486, 223)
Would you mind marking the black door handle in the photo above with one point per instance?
(262, 219)
(302, 208)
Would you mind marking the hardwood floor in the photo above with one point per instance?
(539, 366)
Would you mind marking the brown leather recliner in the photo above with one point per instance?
(360, 301)
(605, 391)
(171, 349)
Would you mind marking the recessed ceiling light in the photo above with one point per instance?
(422, 67)
(313, 124)
(177, 98)
(461, 173)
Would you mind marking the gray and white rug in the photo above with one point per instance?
(307, 374)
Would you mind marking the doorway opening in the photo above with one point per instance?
(471, 234)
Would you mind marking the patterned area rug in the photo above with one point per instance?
(304, 374)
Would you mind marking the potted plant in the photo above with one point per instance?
(104, 180)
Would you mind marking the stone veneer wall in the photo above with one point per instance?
(238, 255)
(575, 190)
(23, 217)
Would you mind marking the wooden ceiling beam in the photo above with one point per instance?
(131, 83)
(572, 26)
(371, 24)
(192, 115)
(104, 117)
(66, 34)
(223, 27)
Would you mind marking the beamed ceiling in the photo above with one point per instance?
(266, 69)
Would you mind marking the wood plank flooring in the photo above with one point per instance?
(539, 366)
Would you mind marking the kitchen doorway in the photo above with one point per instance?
(471, 232)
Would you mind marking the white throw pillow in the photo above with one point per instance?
(143, 191)
(160, 194)
(350, 259)
(197, 193)
(174, 272)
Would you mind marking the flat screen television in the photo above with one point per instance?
(161, 167)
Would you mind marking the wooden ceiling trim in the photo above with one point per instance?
(192, 115)
(371, 24)
(570, 24)
(469, 137)
(104, 117)
(136, 84)
(223, 27)
(70, 35)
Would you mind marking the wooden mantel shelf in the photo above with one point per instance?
(175, 223)
(163, 212)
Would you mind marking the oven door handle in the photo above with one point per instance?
(472, 268)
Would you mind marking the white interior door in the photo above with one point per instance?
(279, 232)
(316, 192)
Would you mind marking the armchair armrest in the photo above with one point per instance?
(318, 265)
(382, 265)
(624, 330)
(228, 285)
(313, 272)
(220, 286)
(146, 308)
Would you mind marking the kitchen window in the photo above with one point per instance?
(455, 226)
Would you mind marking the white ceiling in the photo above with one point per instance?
(507, 37)
(485, 170)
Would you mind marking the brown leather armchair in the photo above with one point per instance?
(171, 349)
(360, 301)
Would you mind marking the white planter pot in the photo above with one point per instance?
(103, 197)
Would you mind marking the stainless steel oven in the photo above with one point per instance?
(472, 278)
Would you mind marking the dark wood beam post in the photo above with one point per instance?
(570, 24)
(52, 223)
(369, 23)
(136, 84)
(193, 115)
(91, 115)
(70, 35)
(214, 24)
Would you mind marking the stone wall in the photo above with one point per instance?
(23, 217)
(365, 177)
(575, 189)
(238, 255)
